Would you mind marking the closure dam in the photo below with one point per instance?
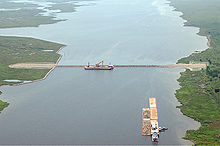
(50, 65)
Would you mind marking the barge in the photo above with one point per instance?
(150, 120)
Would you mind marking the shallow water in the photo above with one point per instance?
(73, 106)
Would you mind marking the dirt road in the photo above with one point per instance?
(34, 65)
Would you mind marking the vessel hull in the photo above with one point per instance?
(98, 68)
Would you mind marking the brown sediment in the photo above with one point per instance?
(52, 66)
(209, 41)
(146, 123)
(49, 65)
(149, 116)
(180, 65)
(33, 65)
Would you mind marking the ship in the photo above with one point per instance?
(99, 66)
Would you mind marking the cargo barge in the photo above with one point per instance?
(99, 67)
(150, 120)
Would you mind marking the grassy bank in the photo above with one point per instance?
(2, 104)
(200, 90)
(22, 15)
(19, 49)
(64, 7)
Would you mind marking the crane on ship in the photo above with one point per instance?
(98, 64)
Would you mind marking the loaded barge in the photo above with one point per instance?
(150, 125)
(150, 120)
(99, 67)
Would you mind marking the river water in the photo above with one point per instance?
(73, 106)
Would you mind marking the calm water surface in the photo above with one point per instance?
(73, 106)
(131, 32)
(96, 107)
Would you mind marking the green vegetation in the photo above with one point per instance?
(2, 104)
(16, 49)
(10, 5)
(25, 14)
(24, 18)
(20, 50)
(199, 102)
(200, 90)
(63, 7)
(22, 15)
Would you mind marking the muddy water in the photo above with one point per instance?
(73, 106)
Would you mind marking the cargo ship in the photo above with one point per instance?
(99, 67)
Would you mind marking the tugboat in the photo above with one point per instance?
(154, 131)
(162, 129)
(99, 67)
(155, 137)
